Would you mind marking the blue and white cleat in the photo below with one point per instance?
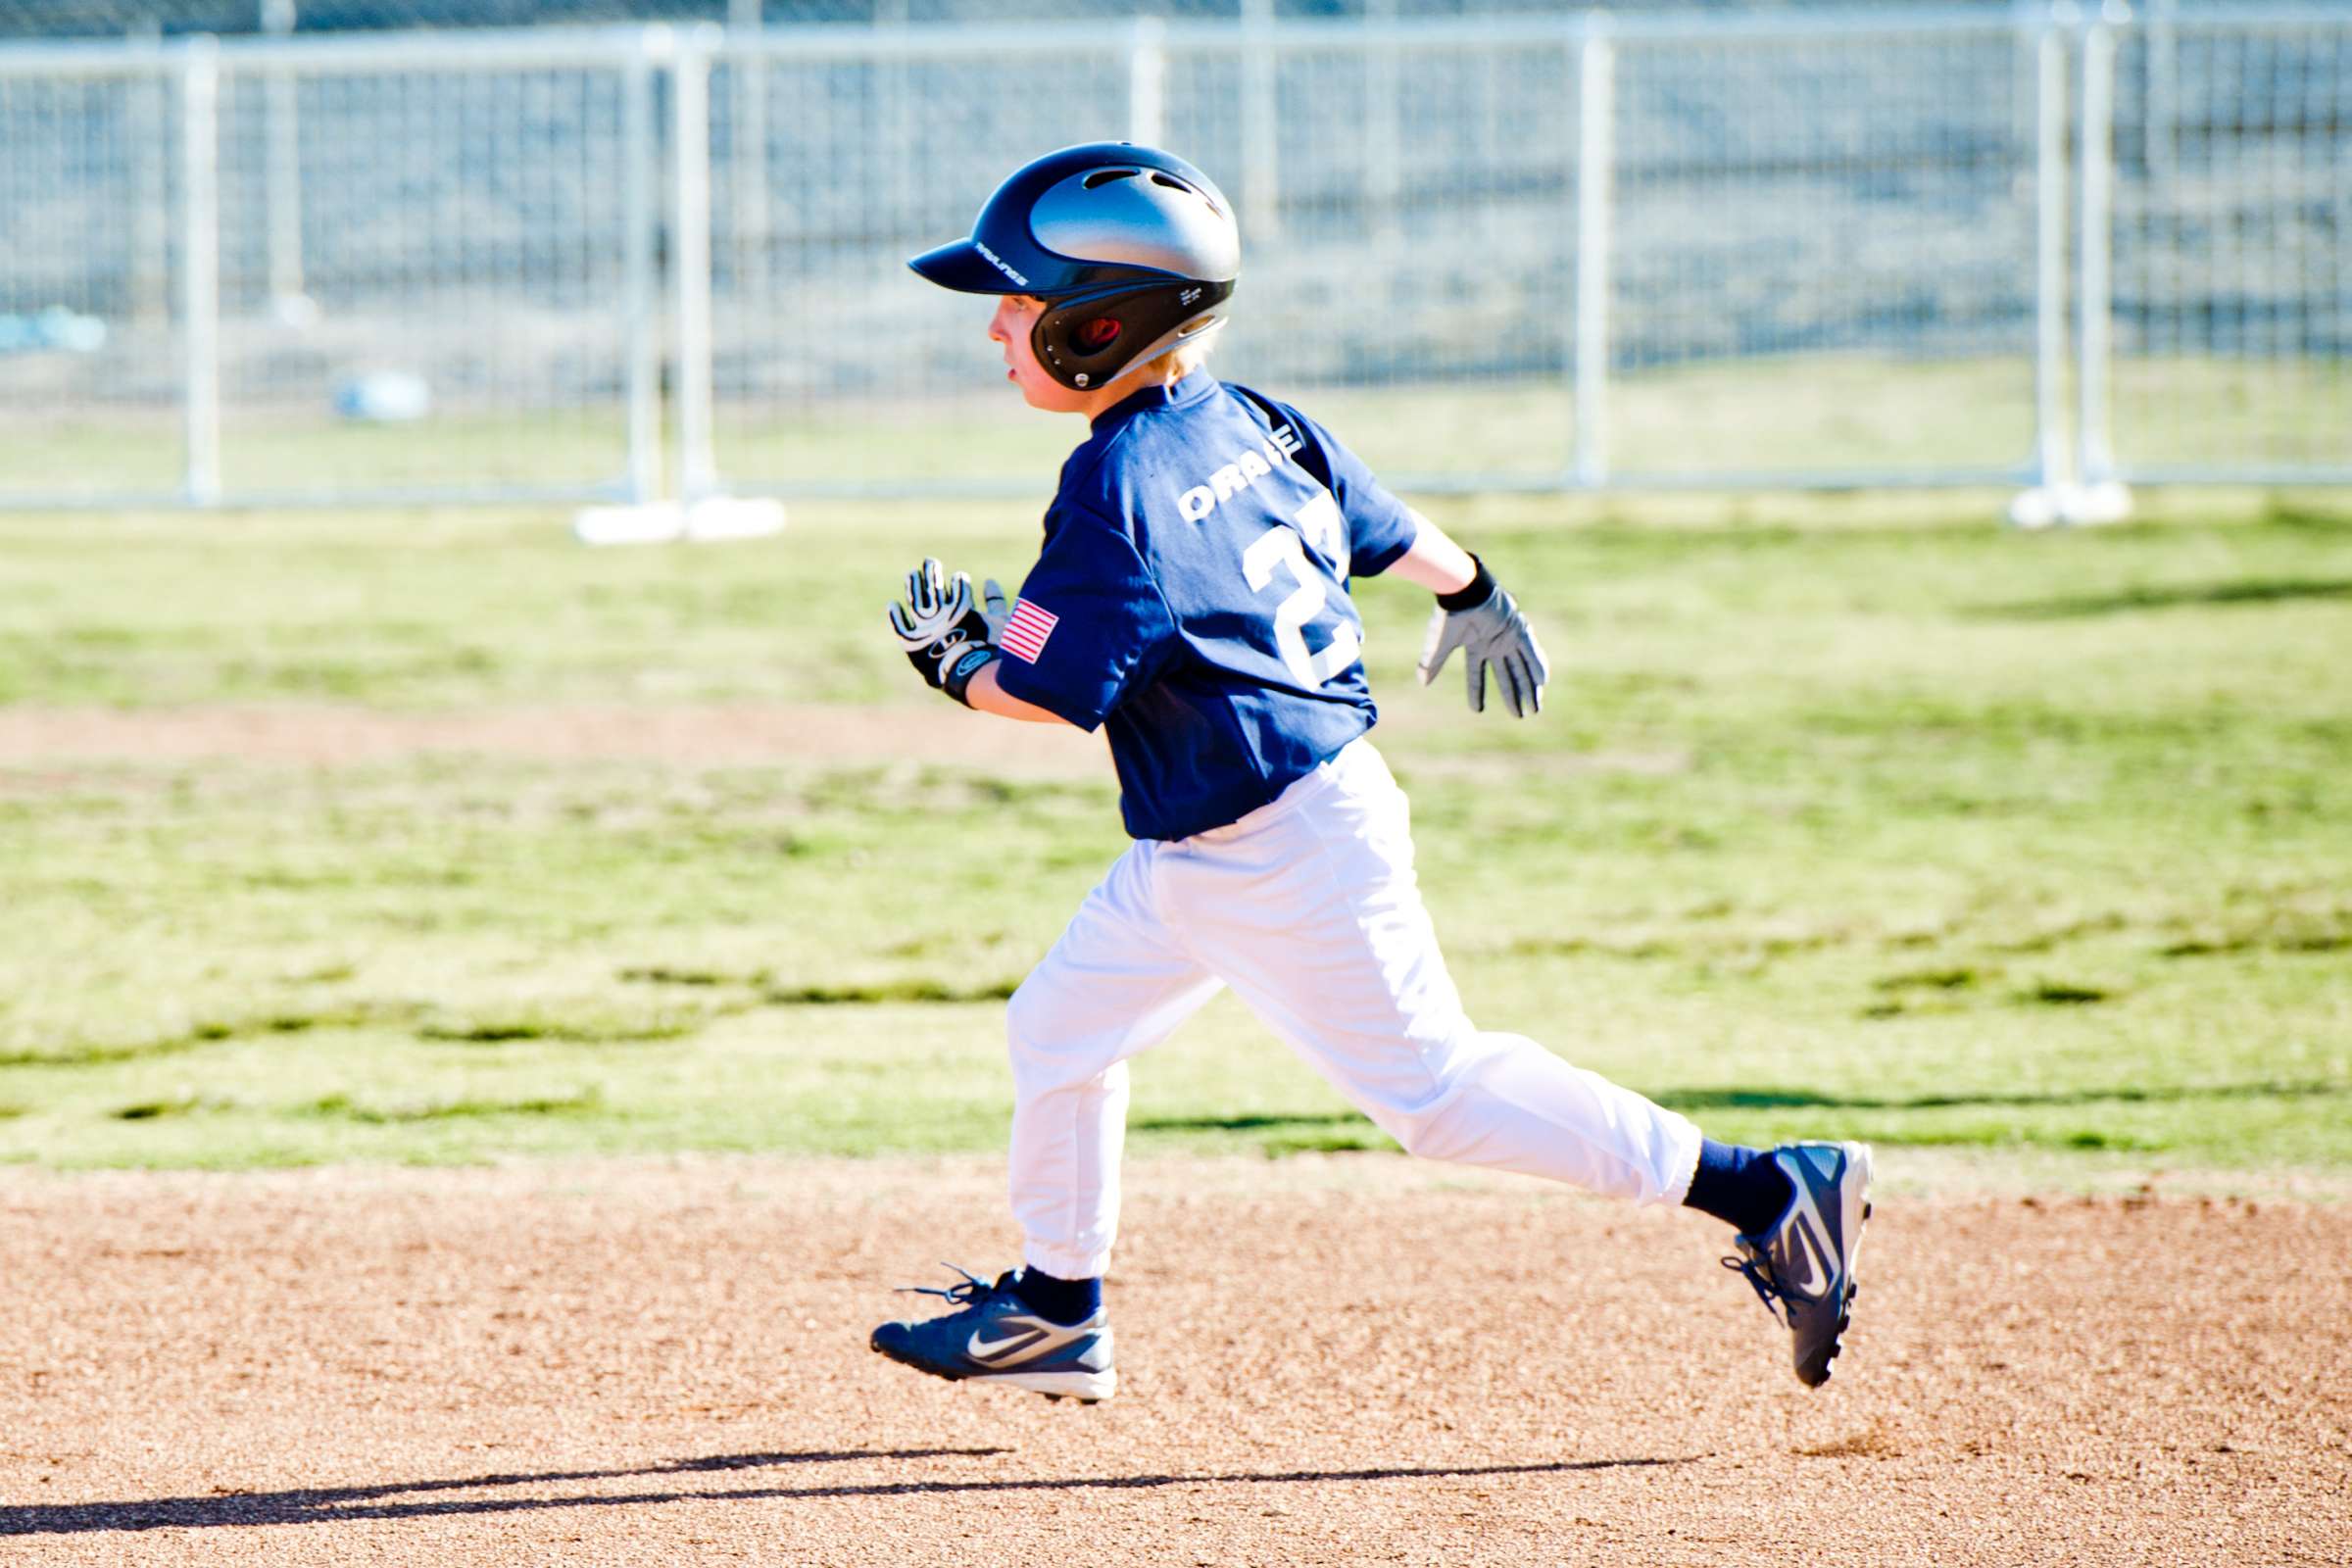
(994, 1337)
(1803, 1267)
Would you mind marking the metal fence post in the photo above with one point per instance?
(897, 136)
(2162, 111)
(640, 240)
(1596, 159)
(690, 264)
(749, 219)
(2050, 452)
(2095, 462)
(282, 172)
(1262, 177)
(1148, 81)
(200, 268)
(1384, 108)
(147, 120)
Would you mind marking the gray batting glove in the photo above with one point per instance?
(993, 610)
(1489, 630)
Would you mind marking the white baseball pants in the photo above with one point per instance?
(1307, 908)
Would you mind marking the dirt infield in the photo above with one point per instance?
(1343, 1360)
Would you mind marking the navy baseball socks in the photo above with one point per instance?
(1065, 1301)
(1745, 1188)
(1796, 1249)
(1027, 1330)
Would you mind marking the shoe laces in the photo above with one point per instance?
(970, 1291)
(1756, 1269)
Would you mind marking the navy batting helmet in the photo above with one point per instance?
(1133, 250)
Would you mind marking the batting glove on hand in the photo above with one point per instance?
(1485, 623)
(947, 636)
(995, 610)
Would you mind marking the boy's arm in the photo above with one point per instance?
(1435, 561)
(956, 640)
(984, 694)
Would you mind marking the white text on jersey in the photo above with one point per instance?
(1250, 465)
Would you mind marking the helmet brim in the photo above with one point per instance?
(959, 265)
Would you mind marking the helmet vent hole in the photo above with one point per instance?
(1158, 179)
(1102, 178)
(1099, 335)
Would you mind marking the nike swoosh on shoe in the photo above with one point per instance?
(1007, 1350)
(1816, 1283)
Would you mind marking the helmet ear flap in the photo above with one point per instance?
(1084, 344)
(1088, 343)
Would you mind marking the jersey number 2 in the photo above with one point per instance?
(1320, 520)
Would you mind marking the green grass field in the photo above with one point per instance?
(1843, 818)
(1817, 413)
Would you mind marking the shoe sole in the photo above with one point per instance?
(1854, 1211)
(1087, 1388)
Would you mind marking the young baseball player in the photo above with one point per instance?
(1191, 598)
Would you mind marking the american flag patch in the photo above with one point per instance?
(1025, 634)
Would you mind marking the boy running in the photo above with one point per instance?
(1191, 598)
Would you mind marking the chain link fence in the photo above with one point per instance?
(369, 270)
(1909, 246)
(2231, 300)
(92, 350)
(61, 18)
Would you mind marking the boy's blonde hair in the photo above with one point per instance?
(1182, 359)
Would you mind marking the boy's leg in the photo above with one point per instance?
(1312, 915)
(1116, 983)
(1313, 918)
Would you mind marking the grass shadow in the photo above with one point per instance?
(1246, 1124)
(1693, 1099)
(1767, 1098)
(866, 994)
(2253, 591)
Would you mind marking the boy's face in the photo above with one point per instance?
(1016, 314)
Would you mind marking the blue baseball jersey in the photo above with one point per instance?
(1191, 600)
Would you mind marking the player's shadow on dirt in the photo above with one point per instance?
(332, 1504)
